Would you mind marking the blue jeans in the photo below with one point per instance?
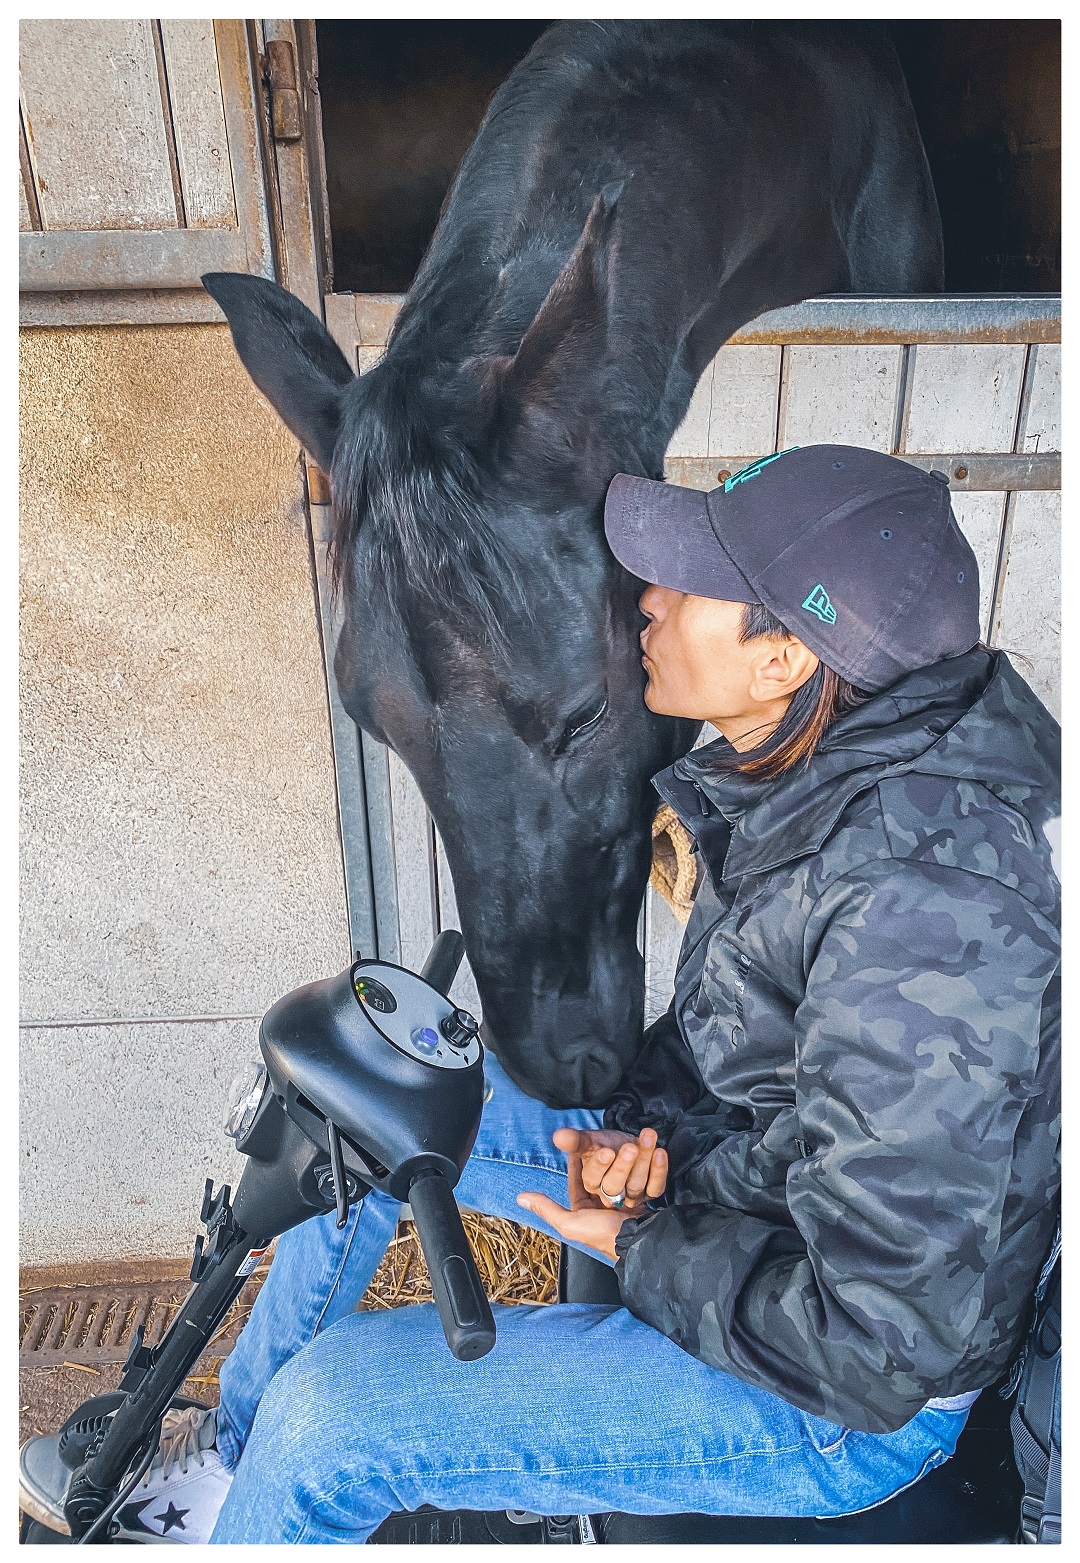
(335, 1419)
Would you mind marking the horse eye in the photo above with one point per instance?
(582, 720)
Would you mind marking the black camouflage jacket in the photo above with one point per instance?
(857, 1080)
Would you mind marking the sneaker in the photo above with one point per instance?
(43, 1481)
(180, 1497)
(176, 1501)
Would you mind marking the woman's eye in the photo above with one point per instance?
(584, 720)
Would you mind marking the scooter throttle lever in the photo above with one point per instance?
(462, 1302)
(443, 960)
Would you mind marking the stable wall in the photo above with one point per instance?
(181, 864)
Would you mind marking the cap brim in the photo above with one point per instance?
(661, 533)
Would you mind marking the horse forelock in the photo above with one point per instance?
(409, 491)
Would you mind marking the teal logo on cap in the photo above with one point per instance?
(818, 603)
(755, 467)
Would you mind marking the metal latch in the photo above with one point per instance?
(279, 74)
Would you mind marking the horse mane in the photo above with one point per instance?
(409, 483)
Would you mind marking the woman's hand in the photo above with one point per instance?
(612, 1170)
(602, 1163)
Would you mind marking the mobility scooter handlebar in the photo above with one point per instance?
(371, 1079)
(462, 1302)
(443, 960)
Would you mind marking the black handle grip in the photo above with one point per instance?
(443, 960)
(462, 1301)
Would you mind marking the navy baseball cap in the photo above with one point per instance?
(858, 553)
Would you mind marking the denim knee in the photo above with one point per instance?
(299, 1414)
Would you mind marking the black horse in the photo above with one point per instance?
(637, 191)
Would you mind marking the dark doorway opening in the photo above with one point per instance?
(401, 102)
(988, 99)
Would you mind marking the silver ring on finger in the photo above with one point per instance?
(616, 1201)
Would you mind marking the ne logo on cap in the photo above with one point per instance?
(818, 603)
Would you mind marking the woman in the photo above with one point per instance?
(830, 1182)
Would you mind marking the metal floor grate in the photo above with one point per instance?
(90, 1325)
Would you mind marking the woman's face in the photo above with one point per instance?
(698, 667)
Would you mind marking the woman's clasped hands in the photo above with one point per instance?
(610, 1176)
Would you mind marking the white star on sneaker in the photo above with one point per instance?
(179, 1498)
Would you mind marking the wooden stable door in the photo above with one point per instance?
(152, 151)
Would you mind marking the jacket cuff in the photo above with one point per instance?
(629, 1232)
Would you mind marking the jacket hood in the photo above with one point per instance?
(971, 717)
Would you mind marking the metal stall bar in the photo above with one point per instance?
(906, 320)
(290, 125)
(838, 317)
(974, 472)
(358, 805)
(361, 764)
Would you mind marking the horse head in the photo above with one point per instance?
(491, 639)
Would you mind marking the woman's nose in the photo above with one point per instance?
(649, 601)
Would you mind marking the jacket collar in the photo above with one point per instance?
(917, 724)
(708, 826)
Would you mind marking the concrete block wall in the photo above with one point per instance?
(181, 866)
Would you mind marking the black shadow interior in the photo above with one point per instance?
(402, 101)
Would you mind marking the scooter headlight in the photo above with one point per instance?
(245, 1095)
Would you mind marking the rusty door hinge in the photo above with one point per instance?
(318, 484)
(279, 74)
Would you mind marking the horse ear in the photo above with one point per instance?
(289, 354)
(554, 375)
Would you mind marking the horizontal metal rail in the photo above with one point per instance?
(977, 472)
(993, 473)
(851, 318)
(906, 320)
(120, 307)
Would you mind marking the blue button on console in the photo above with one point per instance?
(425, 1039)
